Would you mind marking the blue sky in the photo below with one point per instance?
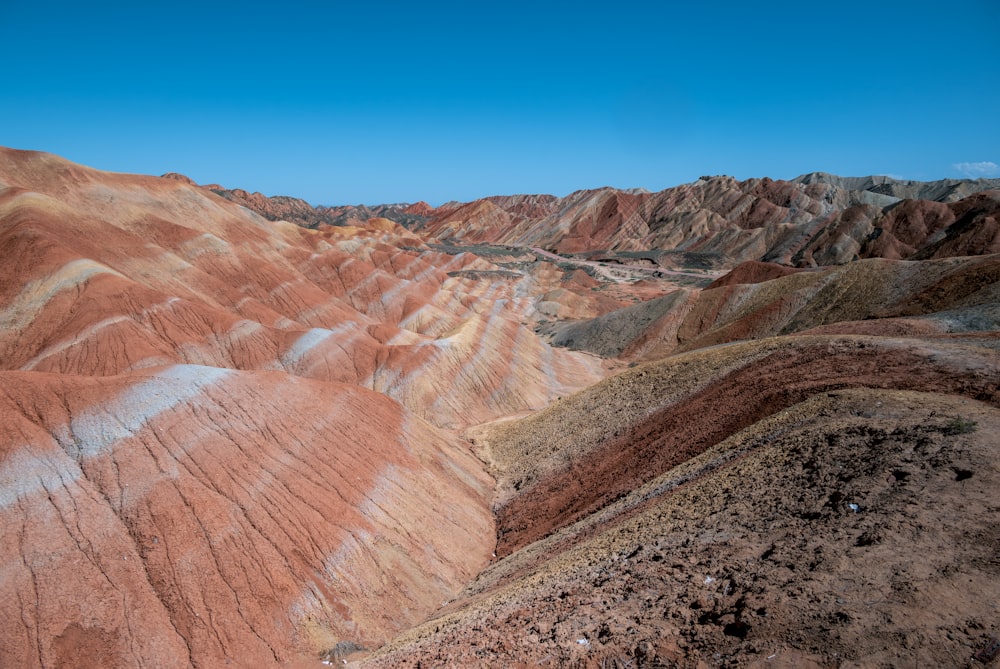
(385, 102)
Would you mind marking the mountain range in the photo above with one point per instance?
(815, 219)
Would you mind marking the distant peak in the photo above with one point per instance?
(179, 177)
(419, 208)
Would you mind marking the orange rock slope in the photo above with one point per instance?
(220, 434)
(196, 515)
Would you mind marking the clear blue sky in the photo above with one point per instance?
(382, 102)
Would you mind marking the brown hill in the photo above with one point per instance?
(752, 272)
(549, 476)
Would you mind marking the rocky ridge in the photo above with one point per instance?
(298, 211)
(813, 220)
(816, 219)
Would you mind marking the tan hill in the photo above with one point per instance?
(234, 434)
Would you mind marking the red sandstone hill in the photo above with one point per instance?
(233, 436)
(215, 439)
(805, 222)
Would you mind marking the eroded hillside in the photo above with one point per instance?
(222, 436)
(815, 220)
(523, 431)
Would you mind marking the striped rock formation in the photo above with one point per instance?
(220, 437)
(189, 515)
(813, 220)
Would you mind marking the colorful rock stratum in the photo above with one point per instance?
(739, 424)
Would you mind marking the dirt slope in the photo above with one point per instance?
(644, 422)
(855, 529)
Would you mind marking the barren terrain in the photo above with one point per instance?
(856, 528)
(734, 424)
